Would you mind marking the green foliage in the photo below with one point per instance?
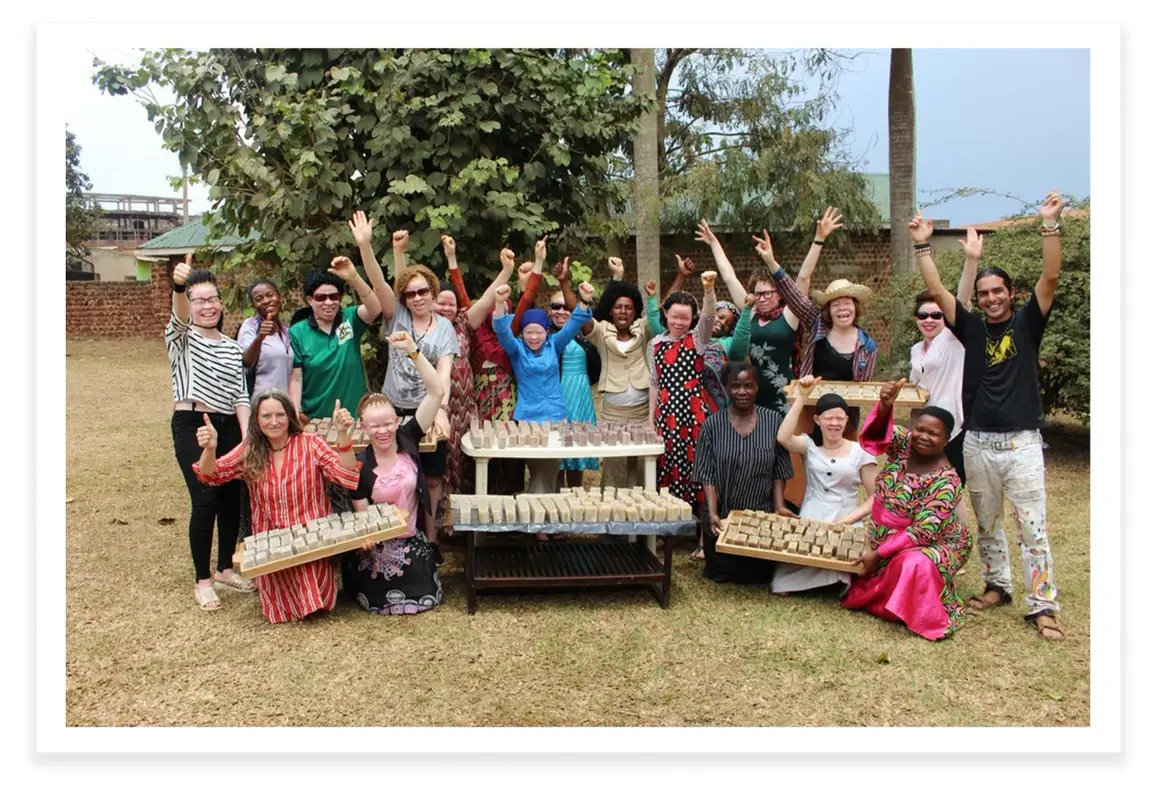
(495, 147)
(1065, 355)
(80, 219)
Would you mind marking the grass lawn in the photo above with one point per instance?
(139, 651)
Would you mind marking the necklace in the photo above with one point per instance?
(1006, 327)
(280, 449)
(418, 337)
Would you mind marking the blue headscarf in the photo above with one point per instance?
(536, 316)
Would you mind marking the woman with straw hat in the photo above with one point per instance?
(836, 347)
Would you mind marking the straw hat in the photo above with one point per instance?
(841, 287)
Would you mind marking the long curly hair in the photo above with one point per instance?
(613, 292)
(257, 457)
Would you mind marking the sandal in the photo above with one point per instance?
(984, 601)
(207, 598)
(1048, 627)
(234, 581)
(697, 554)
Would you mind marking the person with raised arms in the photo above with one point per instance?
(285, 469)
(1003, 410)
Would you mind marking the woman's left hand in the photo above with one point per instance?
(342, 420)
(870, 561)
(368, 546)
(442, 426)
(785, 512)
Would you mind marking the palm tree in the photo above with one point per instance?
(901, 157)
(645, 198)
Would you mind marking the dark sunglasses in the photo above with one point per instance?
(333, 297)
(559, 306)
(931, 314)
(422, 292)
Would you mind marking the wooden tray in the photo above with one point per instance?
(804, 560)
(323, 552)
(863, 395)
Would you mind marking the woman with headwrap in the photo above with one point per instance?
(836, 467)
(917, 542)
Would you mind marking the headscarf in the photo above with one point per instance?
(536, 316)
(729, 306)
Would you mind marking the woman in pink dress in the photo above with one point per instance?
(285, 469)
(918, 543)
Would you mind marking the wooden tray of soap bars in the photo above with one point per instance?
(759, 534)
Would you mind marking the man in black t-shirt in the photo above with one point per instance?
(1003, 449)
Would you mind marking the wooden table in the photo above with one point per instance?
(566, 564)
(857, 395)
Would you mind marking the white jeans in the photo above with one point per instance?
(1012, 463)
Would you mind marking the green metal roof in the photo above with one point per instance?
(192, 235)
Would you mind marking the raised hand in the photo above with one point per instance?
(749, 300)
(400, 240)
(507, 259)
(704, 234)
(402, 341)
(503, 292)
(586, 292)
(361, 228)
(449, 246)
(1052, 205)
(807, 384)
(542, 250)
(524, 273)
(206, 436)
(266, 329)
(651, 288)
(615, 264)
(343, 267)
(182, 270)
(919, 229)
(707, 278)
(973, 245)
(889, 391)
(831, 220)
(561, 271)
(342, 420)
(763, 248)
(685, 266)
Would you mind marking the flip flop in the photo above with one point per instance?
(978, 603)
(1049, 622)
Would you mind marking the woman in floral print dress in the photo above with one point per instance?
(918, 543)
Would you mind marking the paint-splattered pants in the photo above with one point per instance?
(1011, 463)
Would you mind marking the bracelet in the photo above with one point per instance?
(921, 252)
(817, 241)
(347, 448)
(1056, 227)
(179, 287)
(921, 245)
(1047, 231)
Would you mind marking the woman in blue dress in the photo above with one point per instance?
(535, 358)
(579, 368)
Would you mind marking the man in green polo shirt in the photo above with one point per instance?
(326, 345)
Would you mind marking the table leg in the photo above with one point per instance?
(481, 476)
(470, 570)
(666, 600)
(649, 472)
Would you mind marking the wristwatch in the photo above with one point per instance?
(414, 353)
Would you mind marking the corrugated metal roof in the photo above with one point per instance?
(193, 235)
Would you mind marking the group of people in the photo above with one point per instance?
(709, 376)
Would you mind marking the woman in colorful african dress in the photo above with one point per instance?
(466, 317)
(677, 399)
(397, 576)
(918, 544)
(285, 469)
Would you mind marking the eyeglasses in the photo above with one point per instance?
(559, 306)
(204, 301)
(769, 293)
(421, 292)
(333, 297)
(931, 314)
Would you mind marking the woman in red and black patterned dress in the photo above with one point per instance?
(678, 400)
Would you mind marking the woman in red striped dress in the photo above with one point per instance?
(285, 469)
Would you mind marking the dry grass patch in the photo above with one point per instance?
(140, 652)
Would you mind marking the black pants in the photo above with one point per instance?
(210, 505)
(433, 463)
(954, 452)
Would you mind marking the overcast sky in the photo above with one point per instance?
(1013, 121)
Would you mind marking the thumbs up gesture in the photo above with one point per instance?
(206, 436)
(343, 421)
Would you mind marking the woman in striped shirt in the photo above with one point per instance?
(208, 385)
(285, 469)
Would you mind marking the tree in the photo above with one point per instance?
(901, 157)
(645, 196)
(742, 143)
(495, 147)
(80, 219)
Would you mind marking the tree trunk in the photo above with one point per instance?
(645, 196)
(901, 157)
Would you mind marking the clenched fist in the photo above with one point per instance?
(707, 278)
(615, 264)
(650, 287)
(586, 292)
(400, 240)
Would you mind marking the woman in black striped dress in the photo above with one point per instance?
(208, 385)
(740, 465)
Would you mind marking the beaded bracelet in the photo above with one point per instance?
(817, 242)
(1050, 231)
(920, 252)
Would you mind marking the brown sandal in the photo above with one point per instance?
(981, 602)
(1049, 622)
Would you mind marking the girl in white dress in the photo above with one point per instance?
(835, 468)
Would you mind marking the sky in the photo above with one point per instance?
(1015, 121)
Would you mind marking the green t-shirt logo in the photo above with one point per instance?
(344, 332)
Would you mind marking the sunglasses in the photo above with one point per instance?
(559, 306)
(422, 292)
(927, 314)
(333, 297)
